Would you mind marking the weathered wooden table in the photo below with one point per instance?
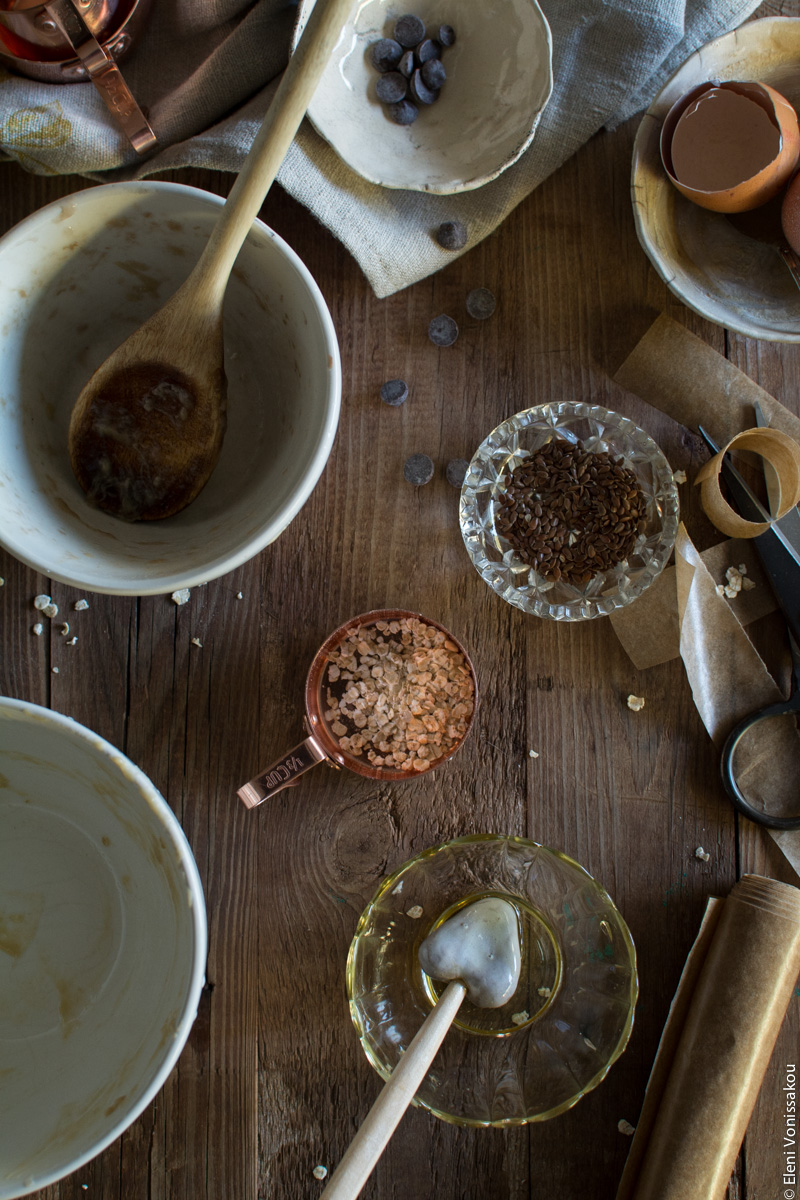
(273, 1080)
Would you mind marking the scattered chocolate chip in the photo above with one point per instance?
(433, 74)
(456, 470)
(391, 88)
(443, 330)
(385, 54)
(418, 469)
(447, 35)
(394, 392)
(452, 235)
(403, 113)
(406, 64)
(420, 90)
(480, 303)
(409, 31)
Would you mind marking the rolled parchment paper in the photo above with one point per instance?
(716, 1045)
(780, 452)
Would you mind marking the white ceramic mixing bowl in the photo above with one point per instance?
(102, 945)
(76, 278)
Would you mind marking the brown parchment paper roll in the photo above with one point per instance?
(716, 1045)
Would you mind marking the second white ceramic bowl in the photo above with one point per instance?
(102, 945)
(76, 278)
(499, 79)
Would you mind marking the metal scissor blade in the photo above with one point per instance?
(780, 559)
(790, 523)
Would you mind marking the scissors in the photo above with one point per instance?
(779, 551)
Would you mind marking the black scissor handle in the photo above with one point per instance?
(739, 801)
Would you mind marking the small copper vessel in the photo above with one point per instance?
(74, 41)
(321, 745)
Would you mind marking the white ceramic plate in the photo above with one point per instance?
(499, 78)
(717, 271)
(102, 945)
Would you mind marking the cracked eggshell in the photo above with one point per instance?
(759, 188)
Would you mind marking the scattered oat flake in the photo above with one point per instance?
(679, 476)
(543, 991)
(533, 754)
(2, 581)
(50, 610)
(197, 642)
(239, 596)
(702, 854)
(181, 596)
(396, 891)
(55, 670)
(41, 601)
(519, 1018)
(415, 912)
(320, 1172)
(742, 568)
(73, 641)
(37, 629)
(81, 605)
(625, 1127)
(635, 703)
(748, 584)
(591, 1045)
(719, 589)
(63, 629)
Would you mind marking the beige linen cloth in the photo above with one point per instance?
(205, 70)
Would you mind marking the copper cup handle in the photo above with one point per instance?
(283, 773)
(104, 74)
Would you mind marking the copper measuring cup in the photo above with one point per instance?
(321, 745)
(70, 41)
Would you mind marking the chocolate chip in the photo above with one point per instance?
(419, 89)
(406, 64)
(452, 235)
(447, 35)
(385, 54)
(394, 392)
(403, 113)
(418, 469)
(456, 470)
(433, 74)
(427, 50)
(409, 31)
(391, 87)
(480, 303)
(443, 331)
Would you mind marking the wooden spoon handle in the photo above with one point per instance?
(398, 1091)
(271, 143)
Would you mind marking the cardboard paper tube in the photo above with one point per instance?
(716, 1045)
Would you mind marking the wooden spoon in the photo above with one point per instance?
(147, 429)
(383, 1118)
(478, 951)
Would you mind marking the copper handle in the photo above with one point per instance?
(104, 74)
(283, 773)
